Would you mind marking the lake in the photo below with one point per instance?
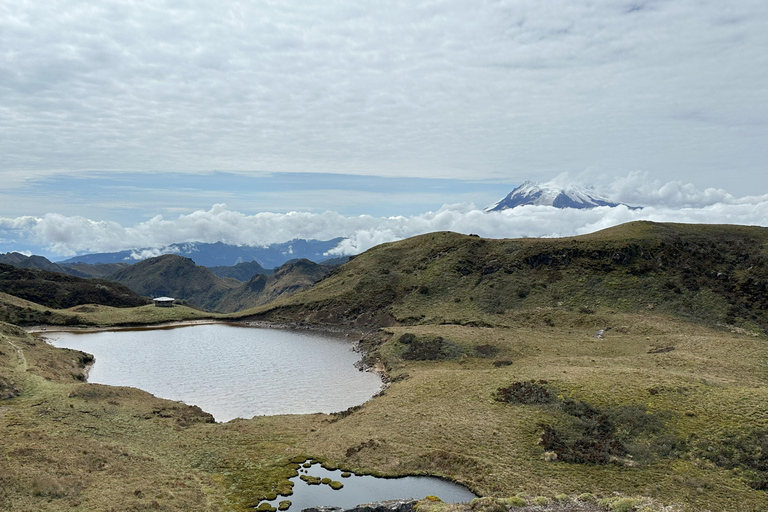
(230, 371)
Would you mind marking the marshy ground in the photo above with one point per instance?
(687, 419)
(498, 380)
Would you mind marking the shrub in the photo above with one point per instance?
(623, 504)
(487, 350)
(515, 501)
(432, 349)
(746, 451)
(528, 393)
(540, 501)
(284, 505)
(603, 436)
(488, 504)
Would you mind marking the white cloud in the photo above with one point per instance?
(639, 189)
(449, 88)
(69, 235)
(143, 254)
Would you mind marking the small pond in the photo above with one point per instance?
(230, 371)
(359, 489)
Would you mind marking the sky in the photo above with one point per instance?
(135, 123)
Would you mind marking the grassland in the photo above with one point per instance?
(684, 385)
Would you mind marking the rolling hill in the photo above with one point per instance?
(288, 279)
(175, 276)
(179, 277)
(705, 273)
(33, 293)
(622, 370)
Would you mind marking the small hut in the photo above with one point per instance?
(163, 302)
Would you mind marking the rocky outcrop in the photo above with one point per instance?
(380, 506)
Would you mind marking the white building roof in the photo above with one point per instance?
(164, 299)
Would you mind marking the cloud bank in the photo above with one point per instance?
(668, 202)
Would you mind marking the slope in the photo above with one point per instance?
(706, 273)
(261, 289)
(174, 276)
(55, 290)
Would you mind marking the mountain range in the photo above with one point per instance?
(220, 254)
(549, 194)
(223, 289)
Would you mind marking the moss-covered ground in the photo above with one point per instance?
(68, 443)
(646, 345)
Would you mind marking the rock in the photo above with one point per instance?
(381, 506)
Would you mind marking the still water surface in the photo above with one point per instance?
(366, 489)
(229, 371)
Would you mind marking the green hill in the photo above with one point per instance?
(242, 271)
(622, 370)
(175, 276)
(179, 277)
(291, 277)
(60, 291)
(705, 273)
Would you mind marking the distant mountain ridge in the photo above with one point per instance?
(179, 277)
(549, 194)
(220, 254)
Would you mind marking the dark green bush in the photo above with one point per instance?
(527, 392)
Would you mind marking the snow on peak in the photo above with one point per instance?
(551, 193)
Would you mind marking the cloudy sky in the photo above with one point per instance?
(127, 123)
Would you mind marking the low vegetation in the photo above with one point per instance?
(60, 291)
(497, 379)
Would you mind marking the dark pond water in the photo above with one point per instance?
(360, 489)
(230, 371)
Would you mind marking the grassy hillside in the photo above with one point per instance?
(288, 279)
(631, 364)
(98, 270)
(243, 272)
(60, 291)
(686, 406)
(175, 276)
(179, 277)
(23, 312)
(704, 273)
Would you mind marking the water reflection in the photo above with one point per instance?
(230, 371)
(365, 489)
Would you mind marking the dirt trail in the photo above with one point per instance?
(20, 353)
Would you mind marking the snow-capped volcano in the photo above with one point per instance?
(531, 192)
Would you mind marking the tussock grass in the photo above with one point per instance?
(448, 410)
(680, 369)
